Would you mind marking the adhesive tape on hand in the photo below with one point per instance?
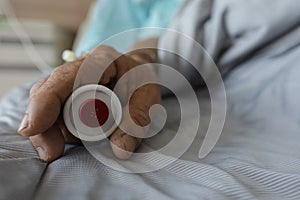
(92, 112)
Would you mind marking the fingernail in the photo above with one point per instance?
(42, 153)
(24, 124)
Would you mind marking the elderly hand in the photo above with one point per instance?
(43, 122)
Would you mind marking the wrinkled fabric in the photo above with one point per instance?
(231, 32)
(256, 46)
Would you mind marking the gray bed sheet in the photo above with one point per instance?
(257, 156)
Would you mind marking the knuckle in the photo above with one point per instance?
(66, 68)
(33, 94)
(59, 70)
(33, 90)
(76, 64)
(36, 86)
(104, 51)
(105, 48)
(64, 74)
(140, 117)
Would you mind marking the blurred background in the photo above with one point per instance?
(48, 27)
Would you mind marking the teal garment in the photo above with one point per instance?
(110, 17)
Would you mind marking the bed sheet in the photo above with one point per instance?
(256, 157)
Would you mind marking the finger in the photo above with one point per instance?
(49, 144)
(36, 86)
(123, 143)
(46, 99)
(99, 66)
(68, 137)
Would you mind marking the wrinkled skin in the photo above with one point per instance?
(43, 122)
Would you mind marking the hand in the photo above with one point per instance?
(43, 122)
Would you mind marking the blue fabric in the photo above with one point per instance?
(110, 17)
